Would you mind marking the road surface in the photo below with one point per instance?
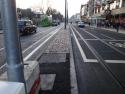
(32, 45)
(99, 57)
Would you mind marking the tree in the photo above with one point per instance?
(55, 14)
(25, 13)
(49, 11)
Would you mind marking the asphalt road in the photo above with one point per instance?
(99, 57)
(32, 44)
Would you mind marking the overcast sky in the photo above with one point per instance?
(74, 5)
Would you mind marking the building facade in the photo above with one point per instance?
(97, 18)
(104, 12)
(84, 13)
(75, 18)
(118, 12)
(0, 22)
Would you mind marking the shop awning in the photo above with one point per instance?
(118, 11)
(96, 17)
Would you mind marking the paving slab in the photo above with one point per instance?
(47, 81)
(56, 60)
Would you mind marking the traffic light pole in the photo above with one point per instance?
(12, 42)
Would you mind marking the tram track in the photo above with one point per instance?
(101, 40)
(108, 33)
(35, 35)
(31, 49)
(28, 46)
(99, 58)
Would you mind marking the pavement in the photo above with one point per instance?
(57, 66)
(114, 30)
(110, 29)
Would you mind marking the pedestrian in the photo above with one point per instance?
(117, 26)
(89, 23)
(113, 25)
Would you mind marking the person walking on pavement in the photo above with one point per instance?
(117, 26)
(89, 23)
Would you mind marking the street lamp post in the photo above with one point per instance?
(12, 41)
(65, 13)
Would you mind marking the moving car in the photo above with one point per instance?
(54, 23)
(26, 27)
(81, 24)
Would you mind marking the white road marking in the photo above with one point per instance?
(107, 40)
(1, 49)
(3, 66)
(44, 31)
(114, 48)
(38, 47)
(73, 78)
(108, 37)
(81, 50)
(83, 53)
(117, 40)
(25, 49)
(117, 44)
(36, 42)
(91, 39)
(34, 35)
(115, 61)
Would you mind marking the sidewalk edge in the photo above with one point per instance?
(73, 79)
(121, 32)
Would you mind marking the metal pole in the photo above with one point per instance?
(12, 41)
(65, 12)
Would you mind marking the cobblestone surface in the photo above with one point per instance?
(60, 44)
(57, 49)
(56, 60)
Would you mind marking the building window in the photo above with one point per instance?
(123, 3)
(117, 3)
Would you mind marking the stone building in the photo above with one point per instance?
(117, 8)
(84, 12)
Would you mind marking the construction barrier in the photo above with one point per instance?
(32, 78)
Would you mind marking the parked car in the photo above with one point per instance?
(26, 27)
(81, 24)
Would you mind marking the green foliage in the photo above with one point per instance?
(45, 22)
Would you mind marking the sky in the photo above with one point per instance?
(73, 5)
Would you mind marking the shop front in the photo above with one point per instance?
(119, 16)
(97, 21)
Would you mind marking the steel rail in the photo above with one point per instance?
(29, 47)
(1, 49)
(114, 48)
(101, 60)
